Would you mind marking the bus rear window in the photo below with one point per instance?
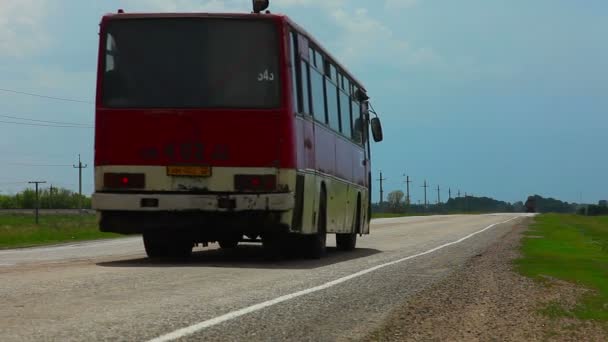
(191, 63)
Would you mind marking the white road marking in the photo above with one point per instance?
(237, 313)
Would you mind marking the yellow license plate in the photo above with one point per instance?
(193, 171)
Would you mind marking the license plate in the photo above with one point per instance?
(192, 171)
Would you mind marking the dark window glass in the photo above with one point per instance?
(311, 56)
(317, 94)
(346, 85)
(297, 98)
(345, 114)
(357, 133)
(304, 81)
(319, 60)
(334, 74)
(191, 63)
(332, 105)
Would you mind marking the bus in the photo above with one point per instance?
(227, 128)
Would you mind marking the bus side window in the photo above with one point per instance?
(296, 93)
(318, 95)
(305, 86)
(357, 120)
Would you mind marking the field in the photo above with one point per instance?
(575, 249)
(19, 230)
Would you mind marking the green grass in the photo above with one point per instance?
(575, 249)
(18, 230)
(389, 215)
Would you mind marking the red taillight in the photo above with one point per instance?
(255, 182)
(124, 181)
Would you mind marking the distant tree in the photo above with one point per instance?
(59, 199)
(551, 205)
(518, 207)
(395, 198)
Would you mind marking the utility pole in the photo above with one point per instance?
(381, 179)
(425, 186)
(37, 202)
(458, 192)
(80, 167)
(449, 193)
(51, 196)
(407, 184)
(438, 195)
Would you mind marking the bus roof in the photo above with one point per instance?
(277, 17)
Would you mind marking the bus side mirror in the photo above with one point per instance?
(376, 129)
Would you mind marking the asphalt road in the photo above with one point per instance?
(108, 290)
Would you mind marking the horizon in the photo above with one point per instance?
(502, 100)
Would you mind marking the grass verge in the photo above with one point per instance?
(572, 248)
(17, 230)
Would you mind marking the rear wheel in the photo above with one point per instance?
(160, 245)
(228, 243)
(273, 246)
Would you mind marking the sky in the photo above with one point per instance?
(503, 98)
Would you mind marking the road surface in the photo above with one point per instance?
(108, 290)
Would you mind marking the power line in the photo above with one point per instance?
(10, 183)
(44, 96)
(41, 165)
(43, 125)
(45, 121)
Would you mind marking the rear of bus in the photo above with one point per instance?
(193, 138)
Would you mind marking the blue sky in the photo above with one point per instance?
(497, 98)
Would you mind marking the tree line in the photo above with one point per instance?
(397, 203)
(59, 198)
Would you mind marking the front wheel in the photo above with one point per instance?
(346, 242)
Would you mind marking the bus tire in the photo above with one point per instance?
(155, 245)
(316, 244)
(228, 243)
(346, 242)
(273, 247)
(159, 245)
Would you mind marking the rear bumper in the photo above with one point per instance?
(186, 202)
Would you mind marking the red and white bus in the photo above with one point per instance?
(228, 128)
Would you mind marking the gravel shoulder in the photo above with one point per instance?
(487, 301)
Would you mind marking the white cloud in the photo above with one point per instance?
(365, 38)
(360, 37)
(22, 27)
(187, 5)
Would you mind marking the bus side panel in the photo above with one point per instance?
(325, 153)
(310, 203)
(337, 202)
(305, 150)
(365, 219)
(344, 159)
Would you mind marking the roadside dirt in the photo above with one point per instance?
(487, 301)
